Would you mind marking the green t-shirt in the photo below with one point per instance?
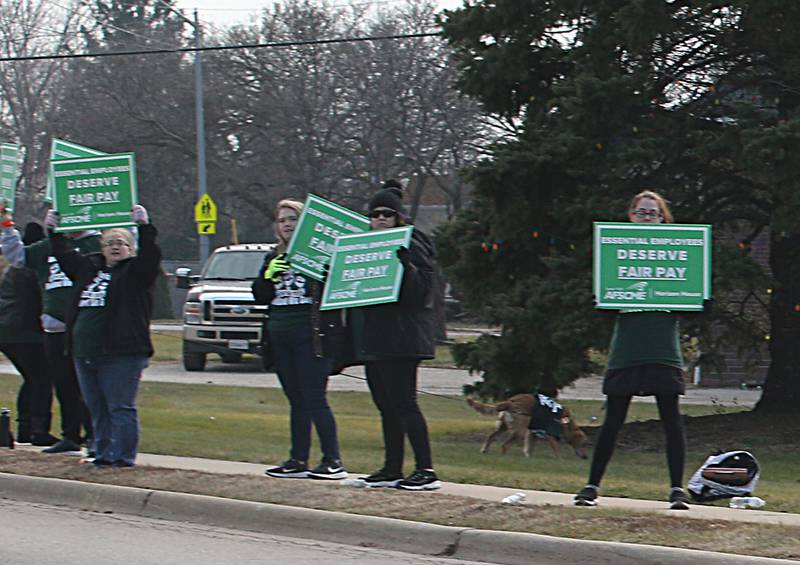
(89, 329)
(291, 305)
(286, 317)
(645, 337)
(56, 286)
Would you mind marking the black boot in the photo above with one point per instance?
(40, 432)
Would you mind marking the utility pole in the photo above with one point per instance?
(200, 127)
(199, 115)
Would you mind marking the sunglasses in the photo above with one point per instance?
(641, 213)
(383, 213)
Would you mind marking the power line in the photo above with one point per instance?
(223, 47)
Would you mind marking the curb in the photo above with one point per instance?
(349, 529)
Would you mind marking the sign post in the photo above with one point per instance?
(94, 192)
(9, 170)
(652, 266)
(365, 269)
(314, 238)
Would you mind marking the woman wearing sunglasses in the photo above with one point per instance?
(108, 329)
(303, 342)
(391, 339)
(644, 359)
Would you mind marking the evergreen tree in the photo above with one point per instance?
(694, 99)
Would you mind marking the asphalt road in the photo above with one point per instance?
(37, 534)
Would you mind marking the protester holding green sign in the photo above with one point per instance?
(644, 359)
(108, 329)
(303, 342)
(391, 339)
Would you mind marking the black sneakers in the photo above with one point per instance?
(63, 446)
(328, 469)
(382, 478)
(290, 469)
(587, 496)
(421, 479)
(678, 499)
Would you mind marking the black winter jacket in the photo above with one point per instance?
(405, 328)
(20, 305)
(129, 298)
(328, 327)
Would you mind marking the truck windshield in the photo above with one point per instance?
(234, 265)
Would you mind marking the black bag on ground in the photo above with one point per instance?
(725, 475)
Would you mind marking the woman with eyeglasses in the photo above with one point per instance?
(108, 330)
(644, 360)
(303, 342)
(391, 339)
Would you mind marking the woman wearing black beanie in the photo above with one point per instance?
(391, 339)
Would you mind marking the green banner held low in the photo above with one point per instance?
(9, 171)
(94, 192)
(60, 149)
(365, 269)
(315, 235)
(652, 266)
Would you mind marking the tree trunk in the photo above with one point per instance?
(782, 386)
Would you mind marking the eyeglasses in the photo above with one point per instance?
(116, 243)
(383, 213)
(643, 213)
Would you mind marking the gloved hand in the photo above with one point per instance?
(139, 215)
(276, 268)
(51, 220)
(404, 255)
(708, 305)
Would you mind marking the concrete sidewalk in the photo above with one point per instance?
(496, 494)
(385, 533)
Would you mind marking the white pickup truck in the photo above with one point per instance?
(220, 315)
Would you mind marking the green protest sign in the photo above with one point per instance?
(652, 266)
(315, 235)
(365, 269)
(60, 149)
(94, 192)
(9, 170)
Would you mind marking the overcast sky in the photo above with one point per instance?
(226, 12)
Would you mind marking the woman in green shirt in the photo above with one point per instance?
(644, 359)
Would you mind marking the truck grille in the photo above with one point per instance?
(234, 312)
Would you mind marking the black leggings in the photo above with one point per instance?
(616, 410)
(393, 384)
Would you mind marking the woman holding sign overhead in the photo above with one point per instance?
(391, 339)
(304, 342)
(644, 359)
(108, 329)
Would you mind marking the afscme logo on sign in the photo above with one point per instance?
(636, 291)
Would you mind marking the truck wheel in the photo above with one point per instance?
(231, 357)
(194, 361)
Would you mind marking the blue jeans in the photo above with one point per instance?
(304, 378)
(109, 385)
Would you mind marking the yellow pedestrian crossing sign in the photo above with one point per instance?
(205, 211)
(206, 228)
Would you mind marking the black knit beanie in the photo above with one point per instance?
(388, 198)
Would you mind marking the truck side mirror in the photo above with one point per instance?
(182, 277)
